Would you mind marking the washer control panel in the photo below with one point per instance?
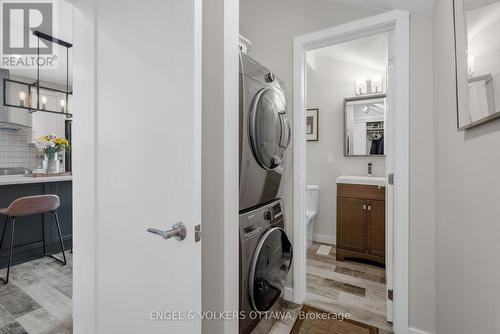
(253, 221)
(268, 215)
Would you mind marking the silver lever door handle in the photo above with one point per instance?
(178, 231)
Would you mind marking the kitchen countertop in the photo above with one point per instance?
(21, 179)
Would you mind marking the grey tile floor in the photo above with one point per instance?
(37, 299)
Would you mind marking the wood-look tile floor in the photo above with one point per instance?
(283, 325)
(348, 287)
(37, 299)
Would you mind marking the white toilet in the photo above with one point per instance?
(312, 207)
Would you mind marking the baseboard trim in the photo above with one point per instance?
(288, 294)
(325, 239)
(417, 331)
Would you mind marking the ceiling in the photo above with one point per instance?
(422, 7)
(368, 52)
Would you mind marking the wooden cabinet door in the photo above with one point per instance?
(375, 221)
(350, 224)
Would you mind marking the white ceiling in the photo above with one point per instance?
(368, 52)
(422, 7)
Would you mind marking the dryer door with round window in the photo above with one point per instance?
(269, 128)
(269, 269)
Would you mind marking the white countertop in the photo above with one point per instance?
(366, 180)
(21, 179)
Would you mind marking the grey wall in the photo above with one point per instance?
(272, 31)
(467, 193)
(327, 85)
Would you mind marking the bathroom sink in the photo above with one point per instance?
(367, 180)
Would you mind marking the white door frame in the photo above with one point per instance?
(398, 22)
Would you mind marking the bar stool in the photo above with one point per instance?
(27, 206)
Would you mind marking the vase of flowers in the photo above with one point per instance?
(51, 146)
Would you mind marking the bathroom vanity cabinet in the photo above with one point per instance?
(361, 222)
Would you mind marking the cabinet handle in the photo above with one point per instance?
(369, 208)
(364, 207)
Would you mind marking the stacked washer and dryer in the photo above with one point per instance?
(265, 250)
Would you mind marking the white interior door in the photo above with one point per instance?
(148, 165)
(389, 135)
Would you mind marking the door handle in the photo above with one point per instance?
(178, 231)
(285, 130)
(369, 208)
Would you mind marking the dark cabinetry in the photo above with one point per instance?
(28, 237)
(361, 222)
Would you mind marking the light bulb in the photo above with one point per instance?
(44, 101)
(377, 84)
(22, 99)
(361, 86)
(470, 66)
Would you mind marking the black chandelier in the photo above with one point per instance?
(30, 96)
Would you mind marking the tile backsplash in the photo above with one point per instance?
(16, 152)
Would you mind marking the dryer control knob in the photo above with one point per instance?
(269, 77)
(268, 215)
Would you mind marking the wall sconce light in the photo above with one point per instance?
(361, 86)
(376, 84)
(63, 105)
(373, 85)
(22, 99)
(470, 66)
(44, 102)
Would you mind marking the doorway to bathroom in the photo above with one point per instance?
(345, 193)
(352, 141)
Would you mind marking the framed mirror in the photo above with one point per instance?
(364, 119)
(477, 55)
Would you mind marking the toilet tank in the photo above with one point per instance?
(312, 198)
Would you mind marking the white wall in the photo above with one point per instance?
(328, 84)
(467, 193)
(272, 31)
(422, 178)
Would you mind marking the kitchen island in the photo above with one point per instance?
(28, 237)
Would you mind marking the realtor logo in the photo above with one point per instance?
(20, 19)
(19, 46)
